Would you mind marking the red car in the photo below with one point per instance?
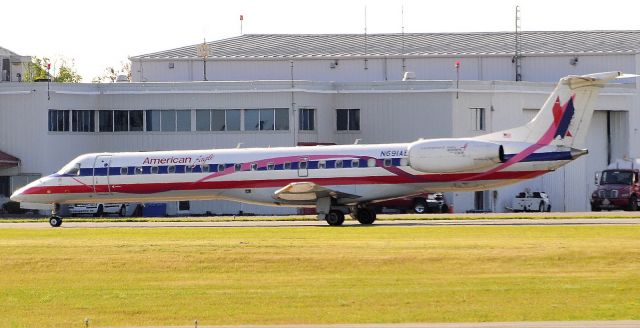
(421, 203)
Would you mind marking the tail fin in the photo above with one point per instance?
(565, 117)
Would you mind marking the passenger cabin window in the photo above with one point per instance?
(270, 166)
(355, 163)
(238, 167)
(387, 162)
(303, 165)
(138, 170)
(220, 167)
(322, 164)
(287, 166)
(204, 168)
(154, 170)
(171, 169)
(188, 169)
(339, 164)
(123, 171)
(254, 166)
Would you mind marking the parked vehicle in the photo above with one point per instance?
(618, 187)
(528, 201)
(421, 203)
(98, 209)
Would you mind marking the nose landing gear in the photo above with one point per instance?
(55, 220)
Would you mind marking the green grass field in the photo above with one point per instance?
(171, 276)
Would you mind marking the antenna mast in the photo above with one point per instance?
(365, 39)
(518, 55)
(404, 66)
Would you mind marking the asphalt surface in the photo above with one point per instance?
(541, 324)
(348, 223)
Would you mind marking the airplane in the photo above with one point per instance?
(338, 179)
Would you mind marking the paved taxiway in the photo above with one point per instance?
(348, 223)
(542, 324)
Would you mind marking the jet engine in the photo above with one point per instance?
(454, 155)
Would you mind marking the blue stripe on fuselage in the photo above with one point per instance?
(541, 157)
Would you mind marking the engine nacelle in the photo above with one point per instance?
(454, 155)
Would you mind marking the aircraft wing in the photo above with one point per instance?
(308, 191)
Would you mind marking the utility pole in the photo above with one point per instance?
(203, 52)
(518, 53)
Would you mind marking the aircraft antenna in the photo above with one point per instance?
(518, 53)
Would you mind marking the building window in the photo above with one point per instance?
(183, 120)
(266, 119)
(83, 121)
(168, 120)
(282, 119)
(348, 119)
(58, 120)
(203, 120)
(218, 120)
(478, 118)
(4, 187)
(232, 119)
(307, 119)
(120, 120)
(136, 119)
(105, 120)
(153, 120)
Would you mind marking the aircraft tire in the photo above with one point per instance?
(55, 221)
(541, 207)
(335, 218)
(365, 216)
(122, 211)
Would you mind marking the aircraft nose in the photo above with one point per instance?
(22, 194)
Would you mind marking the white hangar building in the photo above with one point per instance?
(329, 89)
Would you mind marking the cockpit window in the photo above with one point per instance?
(70, 169)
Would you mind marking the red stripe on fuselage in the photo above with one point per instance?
(150, 188)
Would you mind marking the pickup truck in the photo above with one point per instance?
(98, 209)
(531, 202)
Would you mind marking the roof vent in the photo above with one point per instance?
(409, 76)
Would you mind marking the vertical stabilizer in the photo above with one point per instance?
(565, 117)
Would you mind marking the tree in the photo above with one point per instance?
(111, 74)
(61, 71)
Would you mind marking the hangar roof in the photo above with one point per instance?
(262, 46)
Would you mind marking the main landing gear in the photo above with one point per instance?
(55, 221)
(334, 214)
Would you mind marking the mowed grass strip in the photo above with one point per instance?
(171, 276)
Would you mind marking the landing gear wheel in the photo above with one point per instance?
(541, 207)
(99, 211)
(55, 221)
(335, 218)
(122, 211)
(420, 206)
(365, 216)
(633, 203)
(595, 208)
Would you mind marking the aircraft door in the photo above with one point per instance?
(303, 167)
(101, 167)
